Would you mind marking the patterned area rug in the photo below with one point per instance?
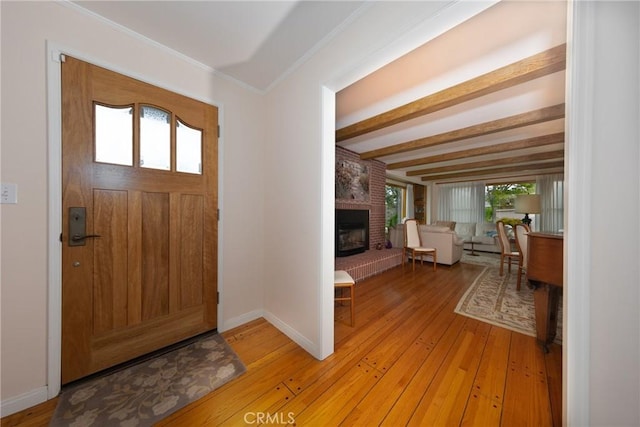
(493, 299)
(143, 394)
(481, 258)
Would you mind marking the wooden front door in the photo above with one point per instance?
(139, 176)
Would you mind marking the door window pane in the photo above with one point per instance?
(188, 149)
(155, 138)
(114, 134)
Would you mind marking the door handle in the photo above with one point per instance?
(78, 227)
(78, 238)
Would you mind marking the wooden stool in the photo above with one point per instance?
(341, 280)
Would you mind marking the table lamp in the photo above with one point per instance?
(527, 204)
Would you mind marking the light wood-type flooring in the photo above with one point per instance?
(409, 360)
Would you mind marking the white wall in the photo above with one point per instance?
(26, 27)
(298, 272)
(613, 286)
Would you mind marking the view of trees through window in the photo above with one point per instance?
(503, 196)
(394, 201)
(497, 197)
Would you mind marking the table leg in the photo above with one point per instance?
(545, 298)
(473, 252)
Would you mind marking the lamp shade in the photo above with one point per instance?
(528, 203)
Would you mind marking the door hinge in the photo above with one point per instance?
(60, 237)
(217, 297)
(218, 214)
(218, 131)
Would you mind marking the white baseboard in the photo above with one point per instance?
(24, 401)
(240, 320)
(292, 333)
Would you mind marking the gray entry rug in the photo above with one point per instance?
(493, 299)
(145, 393)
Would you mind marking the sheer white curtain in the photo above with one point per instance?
(461, 202)
(409, 207)
(551, 190)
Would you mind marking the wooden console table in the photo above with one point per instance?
(545, 274)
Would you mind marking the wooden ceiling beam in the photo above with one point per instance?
(533, 67)
(527, 158)
(512, 122)
(538, 141)
(510, 169)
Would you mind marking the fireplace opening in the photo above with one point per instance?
(352, 231)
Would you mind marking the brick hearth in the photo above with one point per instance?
(369, 263)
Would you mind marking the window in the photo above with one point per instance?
(158, 148)
(188, 148)
(477, 202)
(395, 201)
(461, 202)
(500, 199)
(551, 190)
(155, 138)
(113, 134)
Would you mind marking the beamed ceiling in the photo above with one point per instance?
(484, 101)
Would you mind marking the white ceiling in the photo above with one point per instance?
(253, 42)
(258, 43)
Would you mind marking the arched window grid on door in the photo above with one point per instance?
(163, 141)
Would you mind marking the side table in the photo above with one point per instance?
(471, 242)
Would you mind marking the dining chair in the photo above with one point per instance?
(505, 248)
(413, 244)
(521, 232)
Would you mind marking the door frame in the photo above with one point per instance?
(54, 202)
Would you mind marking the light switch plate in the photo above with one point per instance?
(9, 193)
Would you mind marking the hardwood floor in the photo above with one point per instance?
(410, 360)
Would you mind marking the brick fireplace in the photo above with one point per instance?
(375, 204)
(372, 262)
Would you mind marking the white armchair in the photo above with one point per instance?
(448, 244)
